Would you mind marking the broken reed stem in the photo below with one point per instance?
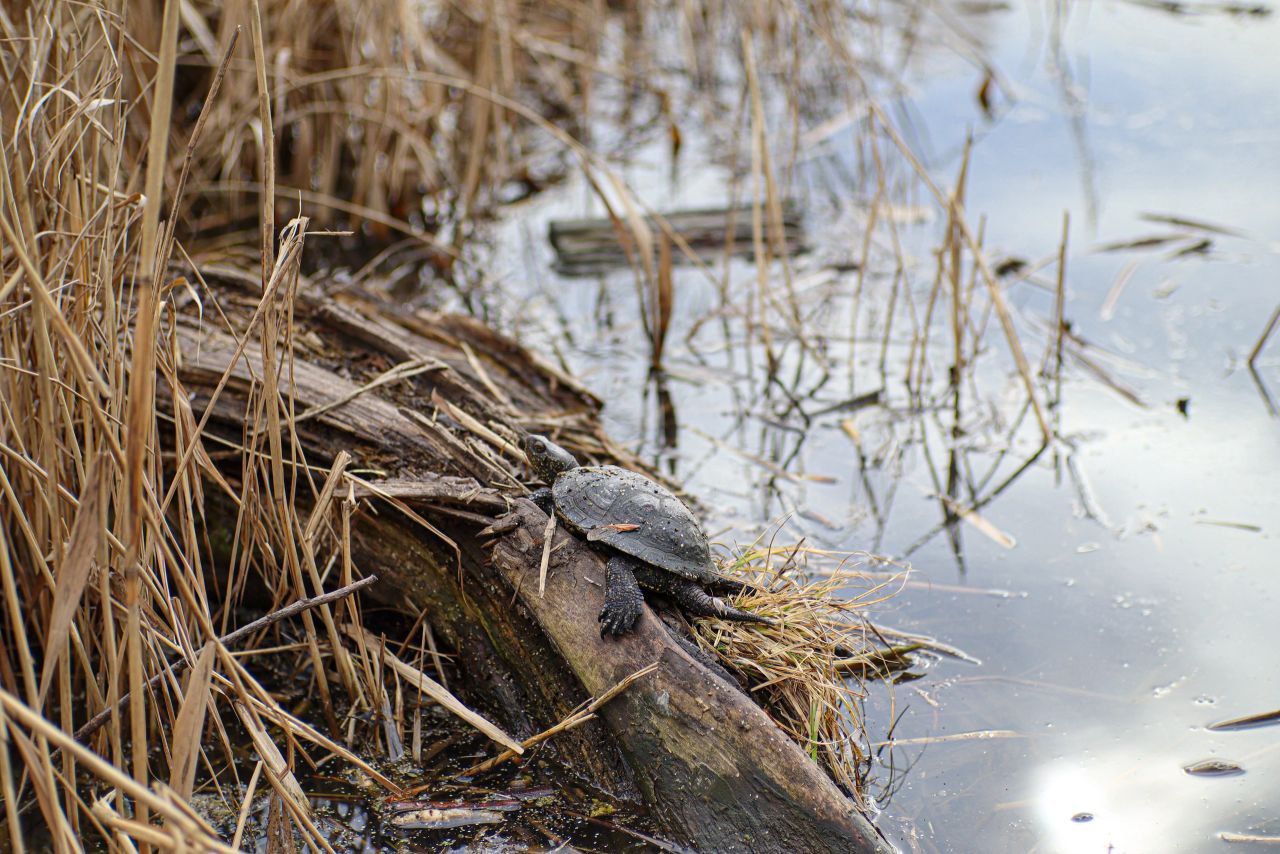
(96, 722)
(1059, 309)
(140, 418)
(773, 199)
(899, 272)
(1266, 333)
(760, 320)
(959, 316)
(268, 159)
(957, 299)
(243, 817)
(434, 689)
(864, 256)
(166, 246)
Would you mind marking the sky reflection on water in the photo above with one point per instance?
(1129, 615)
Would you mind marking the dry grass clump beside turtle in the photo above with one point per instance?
(808, 669)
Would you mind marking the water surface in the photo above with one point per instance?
(1139, 602)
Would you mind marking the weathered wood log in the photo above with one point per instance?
(586, 246)
(724, 775)
(708, 763)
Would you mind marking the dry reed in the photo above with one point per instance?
(134, 133)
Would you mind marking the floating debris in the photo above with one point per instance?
(423, 814)
(1198, 247)
(443, 816)
(586, 246)
(1214, 768)
(1009, 266)
(980, 523)
(1198, 225)
(1228, 836)
(1108, 309)
(1239, 526)
(852, 404)
(1247, 722)
(1149, 241)
(979, 735)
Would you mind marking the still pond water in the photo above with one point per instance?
(1140, 601)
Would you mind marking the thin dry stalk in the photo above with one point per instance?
(1060, 309)
(548, 536)
(1272, 323)
(586, 712)
(436, 691)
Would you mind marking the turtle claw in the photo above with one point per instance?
(623, 600)
(617, 618)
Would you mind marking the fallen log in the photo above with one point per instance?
(689, 745)
(721, 773)
(590, 246)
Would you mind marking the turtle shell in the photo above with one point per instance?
(605, 502)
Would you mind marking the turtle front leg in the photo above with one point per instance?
(622, 597)
(698, 602)
(543, 498)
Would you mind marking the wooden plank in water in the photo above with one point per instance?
(585, 246)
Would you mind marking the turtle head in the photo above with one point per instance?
(547, 458)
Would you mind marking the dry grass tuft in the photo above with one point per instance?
(806, 670)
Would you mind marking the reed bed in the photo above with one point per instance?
(110, 592)
(137, 134)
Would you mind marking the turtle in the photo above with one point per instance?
(652, 539)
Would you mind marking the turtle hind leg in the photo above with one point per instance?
(700, 603)
(623, 600)
(694, 599)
